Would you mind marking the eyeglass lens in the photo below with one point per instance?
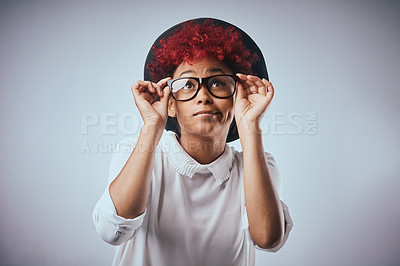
(220, 86)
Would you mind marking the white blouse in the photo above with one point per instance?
(195, 214)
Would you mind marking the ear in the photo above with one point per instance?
(171, 108)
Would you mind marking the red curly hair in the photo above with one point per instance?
(193, 41)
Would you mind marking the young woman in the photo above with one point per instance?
(183, 196)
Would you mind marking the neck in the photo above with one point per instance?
(204, 149)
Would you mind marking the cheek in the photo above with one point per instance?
(229, 109)
(182, 110)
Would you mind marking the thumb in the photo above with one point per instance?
(165, 97)
(240, 94)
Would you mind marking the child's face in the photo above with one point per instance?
(216, 123)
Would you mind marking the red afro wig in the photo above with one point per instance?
(193, 41)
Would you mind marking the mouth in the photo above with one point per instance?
(206, 113)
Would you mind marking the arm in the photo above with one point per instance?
(111, 227)
(264, 209)
(121, 208)
(130, 189)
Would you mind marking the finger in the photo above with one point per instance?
(136, 85)
(151, 88)
(148, 97)
(142, 100)
(140, 85)
(262, 86)
(243, 79)
(163, 81)
(161, 84)
(240, 94)
(246, 88)
(137, 88)
(165, 97)
(249, 83)
(270, 89)
(257, 81)
(262, 90)
(251, 87)
(241, 76)
(140, 90)
(158, 89)
(254, 83)
(268, 84)
(135, 91)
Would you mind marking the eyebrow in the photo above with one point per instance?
(210, 70)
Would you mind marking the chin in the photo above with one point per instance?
(204, 130)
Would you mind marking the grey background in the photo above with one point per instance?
(63, 61)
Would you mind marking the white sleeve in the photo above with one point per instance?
(111, 227)
(276, 178)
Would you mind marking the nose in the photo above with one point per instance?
(203, 96)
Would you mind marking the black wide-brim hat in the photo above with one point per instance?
(259, 68)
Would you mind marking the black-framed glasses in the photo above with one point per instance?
(219, 86)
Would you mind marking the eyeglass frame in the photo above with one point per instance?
(200, 81)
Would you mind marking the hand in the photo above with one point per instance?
(252, 100)
(145, 93)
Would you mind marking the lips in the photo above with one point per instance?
(211, 112)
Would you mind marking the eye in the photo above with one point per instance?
(217, 83)
(188, 86)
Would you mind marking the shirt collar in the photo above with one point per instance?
(184, 164)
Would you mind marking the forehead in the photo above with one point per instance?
(204, 65)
